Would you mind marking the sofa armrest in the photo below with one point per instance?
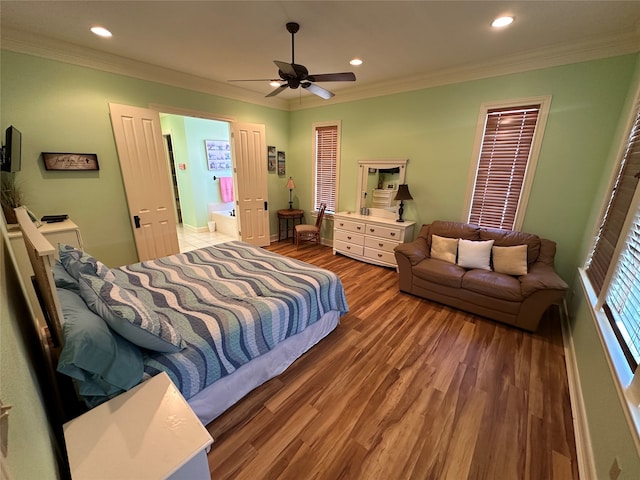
(541, 276)
(415, 251)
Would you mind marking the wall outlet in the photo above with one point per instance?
(615, 470)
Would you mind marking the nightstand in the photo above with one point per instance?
(148, 432)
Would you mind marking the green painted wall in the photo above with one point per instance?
(65, 108)
(60, 107)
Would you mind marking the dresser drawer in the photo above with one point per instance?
(384, 232)
(349, 237)
(349, 225)
(380, 244)
(380, 255)
(348, 247)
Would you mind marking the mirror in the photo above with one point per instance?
(378, 183)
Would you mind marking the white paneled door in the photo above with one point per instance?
(146, 180)
(250, 152)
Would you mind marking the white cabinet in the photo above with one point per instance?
(148, 432)
(369, 239)
(60, 232)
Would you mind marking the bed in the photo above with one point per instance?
(220, 320)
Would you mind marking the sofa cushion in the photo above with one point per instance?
(492, 284)
(438, 271)
(509, 238)
(453, 230)
(510, 260)
(474, 254)
(443, 248)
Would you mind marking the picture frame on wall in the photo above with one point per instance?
(281, 165)
(218, 154)
(271, 158)
(70, 161)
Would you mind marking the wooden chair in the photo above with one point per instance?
(310, 233)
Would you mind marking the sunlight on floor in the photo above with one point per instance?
(189, 240)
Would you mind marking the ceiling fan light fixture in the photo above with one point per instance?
(502, 21)
(355, 62)
(274, 83)
(101, 32)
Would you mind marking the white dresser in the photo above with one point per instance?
(65, 232)
(368, 238)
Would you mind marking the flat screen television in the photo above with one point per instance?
(12, 150)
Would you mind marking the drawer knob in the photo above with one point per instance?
(342, 224)
(381, 244)
(348, 238)
(359, 228)
(348, 247)
(372, 230)
(379, 255)
(393, 234)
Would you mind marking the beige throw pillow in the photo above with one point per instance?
(444, 248)
(474, 254)
(510, 260)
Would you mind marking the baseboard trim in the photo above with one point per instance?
(584, 449)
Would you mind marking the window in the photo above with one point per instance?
(613, 268)
(509, 138)
(327, 159)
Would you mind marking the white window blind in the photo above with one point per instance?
(326, 142)
(502, 165)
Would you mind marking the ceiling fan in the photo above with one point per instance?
(295, 75)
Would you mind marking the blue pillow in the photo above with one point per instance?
(102, 362)
(63, 279)
(129, 316)
(77, 262)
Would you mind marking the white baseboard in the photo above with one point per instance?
(584, 449)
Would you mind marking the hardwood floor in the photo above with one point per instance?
(405, 388)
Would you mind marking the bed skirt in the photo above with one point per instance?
(211, 402)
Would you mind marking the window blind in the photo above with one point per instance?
(504, 155)
(326, 167)
(615, 214)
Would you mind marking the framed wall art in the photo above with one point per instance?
(281, 166)
(271, 158)
(218, 154)
(70, 161)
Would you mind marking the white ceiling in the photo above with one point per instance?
(402, 43)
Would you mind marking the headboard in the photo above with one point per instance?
(42, 256)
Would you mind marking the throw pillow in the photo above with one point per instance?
(129, 316)
(77, 262)
(474, 254)
(444, 248)
(510, 260)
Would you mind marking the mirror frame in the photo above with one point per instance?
(364, 166)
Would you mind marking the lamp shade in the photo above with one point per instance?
(403, 193)
(290, 184)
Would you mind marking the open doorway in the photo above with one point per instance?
(198, 152)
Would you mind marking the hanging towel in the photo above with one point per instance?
(226, 189)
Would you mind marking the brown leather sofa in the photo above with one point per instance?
(518, 300)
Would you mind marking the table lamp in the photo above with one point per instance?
(403, 194)
(290, 186)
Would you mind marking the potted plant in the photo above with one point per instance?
(11, 197)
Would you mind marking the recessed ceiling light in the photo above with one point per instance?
(356, 61)
(100, 31)
(502, 22)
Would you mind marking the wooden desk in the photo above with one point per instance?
(287, 214)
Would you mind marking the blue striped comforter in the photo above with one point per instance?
(231, 303)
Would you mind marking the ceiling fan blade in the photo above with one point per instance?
(257, 80)
(316, 90)
(333, 77)
(277, 90)
(285, 68)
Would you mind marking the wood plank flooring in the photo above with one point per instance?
(405, 388)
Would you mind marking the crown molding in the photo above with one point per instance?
(593, 49)
(45, 47)
(532, 60)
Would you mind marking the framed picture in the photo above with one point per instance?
(271, 158)
(70, 161)
(218, 154)
(281, 166)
